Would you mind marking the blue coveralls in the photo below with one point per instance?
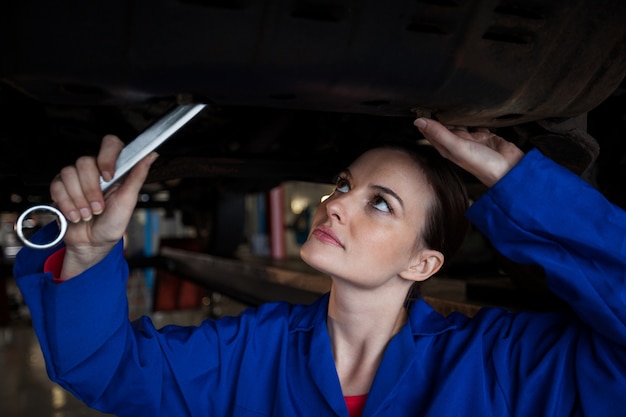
(276, 360)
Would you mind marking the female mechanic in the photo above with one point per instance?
(360, 350)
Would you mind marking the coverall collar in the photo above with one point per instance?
(399, 356)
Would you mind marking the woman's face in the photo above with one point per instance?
(366, 231)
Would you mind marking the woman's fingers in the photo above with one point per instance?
(76, 190)
(73, 189)
(89, 176)
(451, 142)
(480, 152)
(110, 149)
(62, 199)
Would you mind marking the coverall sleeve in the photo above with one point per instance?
(93, 350)
(541, 213)
(559, 363)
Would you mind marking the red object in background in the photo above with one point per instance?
(173, 292)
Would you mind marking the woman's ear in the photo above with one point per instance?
(424, 265)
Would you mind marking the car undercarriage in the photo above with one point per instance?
(296, 88)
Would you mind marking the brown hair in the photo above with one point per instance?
(445, 225)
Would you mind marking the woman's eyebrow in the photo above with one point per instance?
(388, 191)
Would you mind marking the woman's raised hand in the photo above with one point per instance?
(97, 221)
(480, 152)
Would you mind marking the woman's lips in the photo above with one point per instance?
(326, 235)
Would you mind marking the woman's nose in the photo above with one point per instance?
(335, 207)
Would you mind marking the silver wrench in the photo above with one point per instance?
(132, 153)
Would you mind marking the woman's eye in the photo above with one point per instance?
(379, 203)
(342, 185)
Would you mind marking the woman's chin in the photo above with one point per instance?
(312, 257)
